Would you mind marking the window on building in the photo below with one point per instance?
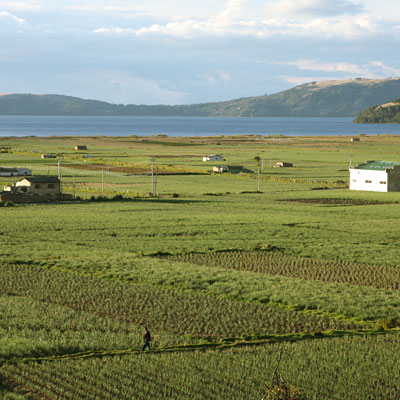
(354, 180)
(37, 185)
(382, 182)
(368, 181)
(50, 185)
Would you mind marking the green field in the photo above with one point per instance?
(250, 283)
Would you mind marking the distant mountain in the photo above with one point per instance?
(316, 99)
(388, 113)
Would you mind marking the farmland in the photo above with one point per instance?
(241, 278)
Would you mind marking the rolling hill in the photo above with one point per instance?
(342, 98)
(388, 113)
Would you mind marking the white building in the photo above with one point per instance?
(215, 157)
(376, 176)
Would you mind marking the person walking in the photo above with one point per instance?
(146, 338)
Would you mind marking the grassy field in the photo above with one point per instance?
(251, 284)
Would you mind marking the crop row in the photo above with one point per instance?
(164, 309)
(304, 268)
(330, 369)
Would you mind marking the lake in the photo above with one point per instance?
(186, 126)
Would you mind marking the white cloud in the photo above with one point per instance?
(19, 5)
(138, 10)
(233, 11)
(218, 78)
(346, 28)
(343, 70)
(312, 7)
(114, 30)
(311, 65)
(8, 16)
(385, 69)
(235, 20)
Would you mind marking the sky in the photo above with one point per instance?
(193, 51)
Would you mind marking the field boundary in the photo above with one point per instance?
(222, 344)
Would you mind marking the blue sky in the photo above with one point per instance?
(179, 52)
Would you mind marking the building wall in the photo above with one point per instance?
(394, 180)
(364, 179)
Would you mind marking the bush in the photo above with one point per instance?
(282, 391)
(118, 197)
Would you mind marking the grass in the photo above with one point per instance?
(86, 275)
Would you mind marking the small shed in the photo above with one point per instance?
(80, 147)
(376, 176)
(282, 164)
(214, 157)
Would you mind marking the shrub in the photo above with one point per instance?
(282, 391)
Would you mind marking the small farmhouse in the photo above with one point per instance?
(376, 176)
(220, 169)
(215, 157)
(35, 190)
(15, 172)
(232, 169)
(281, 164)
(40, 185)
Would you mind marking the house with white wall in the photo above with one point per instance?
(376, 176)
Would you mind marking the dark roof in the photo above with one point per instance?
(8, 169)
(42, 179)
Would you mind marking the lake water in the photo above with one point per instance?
(186, 126)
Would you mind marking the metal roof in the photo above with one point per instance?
(378, 165)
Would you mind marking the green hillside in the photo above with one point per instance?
(388, 113)
(346, 98)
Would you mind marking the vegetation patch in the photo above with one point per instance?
(164, 309)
